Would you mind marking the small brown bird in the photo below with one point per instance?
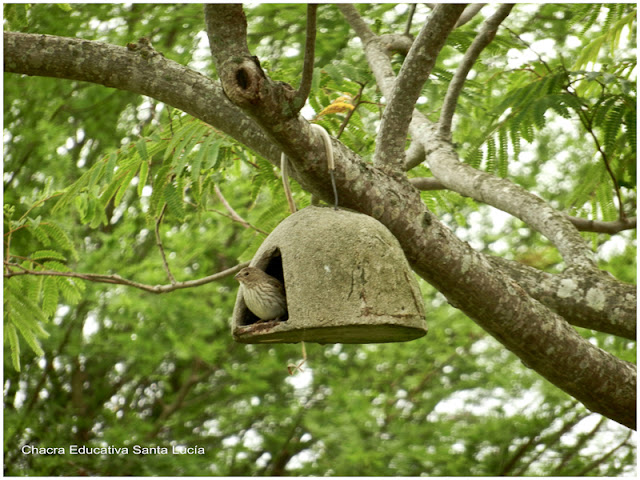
(263, 294)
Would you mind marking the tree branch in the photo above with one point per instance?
(484, 38)
(616, 226)
(610, 305)
(136, 70)
(471, 11)
(594, 464)
(582, 224)
(118, 280)
(309, 54)
(389, 152)
(412, 11)
(414, 156)
(233, 214)
(426, 183)
(165, 264)
(355, 20)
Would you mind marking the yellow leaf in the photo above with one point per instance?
(339, 105)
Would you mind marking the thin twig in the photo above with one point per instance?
(233, 214)
(118, 280)
(356, 104)
(484, 38)
(231, 217)
(412, 10)
(248, 225)
(596, 226)
(528, 45)
(587, 123)
(606, 456)
(605, 159)
(572, 452)
(309, 54)
(161, 248)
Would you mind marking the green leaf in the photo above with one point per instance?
(110, 167)
(60, 237)
(41, 254)
(161, 178)
(141, 147)
(11, 333)
(71, 289)
(206, 149)
(123, 184)
(28, 334)
(174, 201)
(50, 296)
(211, 154)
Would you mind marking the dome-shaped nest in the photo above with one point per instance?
(346, 281)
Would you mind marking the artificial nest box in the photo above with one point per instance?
(346, 281)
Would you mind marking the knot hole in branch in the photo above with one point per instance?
(242, 78)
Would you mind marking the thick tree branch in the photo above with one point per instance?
(484, 38)
(426, 183)
(389, 153)
(357, 23)
(600, 303)
(414, 156)
(137, 70)
(582, 224)
(241, 75)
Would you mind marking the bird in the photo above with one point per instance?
(263, 294)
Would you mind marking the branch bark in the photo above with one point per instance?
(416, 152)
(135, 69)
(389, 153)
(471, 11)
(599, 303)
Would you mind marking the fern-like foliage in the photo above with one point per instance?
(607, 119)
(599, 102)
(30, 301)
(167, 163)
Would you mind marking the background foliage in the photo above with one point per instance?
(89, 172)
